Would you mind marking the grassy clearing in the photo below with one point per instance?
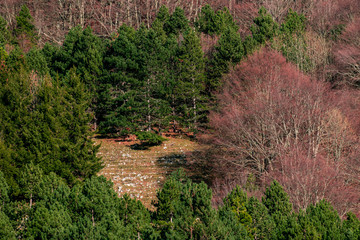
(141, 172)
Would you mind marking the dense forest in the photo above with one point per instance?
(271, 88)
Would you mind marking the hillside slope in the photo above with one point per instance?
(141, 172)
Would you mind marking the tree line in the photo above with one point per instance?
(92, 210)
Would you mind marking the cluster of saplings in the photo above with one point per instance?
(92, 210)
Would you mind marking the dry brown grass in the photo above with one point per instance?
(141, 172)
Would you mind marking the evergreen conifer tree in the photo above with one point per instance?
(190, 81)
(84, 51)
(5, 35)
(265, 28)
(351, 227)
(325, 220)
(177, 23)
(237, 201)
(153, 55)
(25, 30)
(229, 50)
(118, 101)
(6, 230)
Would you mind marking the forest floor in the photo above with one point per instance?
(140, 173)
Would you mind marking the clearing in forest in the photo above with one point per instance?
(141, 172)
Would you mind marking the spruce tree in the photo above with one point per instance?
(351, 227)
(236, 201)
(292, 41)
(6, 230)
(46, 122)
(265, 28)
(276, 200)
(84, 51)
(118, 100)
(325, 220)
(190, 78)
(25, 30)
(229, 51)
(262, 225)
(161, 19)
(213, 23)
(36, 62)
(177, 23)
(153, 55)
(5, 35)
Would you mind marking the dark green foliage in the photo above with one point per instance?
(279, 207)
(137, 82)
(276, 200)
(29, 181)
(229, 51)
(82, 50)
(308, 231)
(294, 23)
(159, 23)
(136, 218)
(292, 42)
(149, 138)
(213, 23)
(325, 220)
(5, 35)
(49, 52)
(117, 93)
(184, 212)
(6, 230)
(37, 62)
(98, 212)
(236, 201)
(207, 20)
(265, 28)
(163, 14)
(15, 62)
(46, 122)
(250, 45)
(351, 227)
(154, 56)
(49, 222)
(3, 57)
(24, 22)
(92, 210)
(177, 23)
(262, 224)
(4, 191)
(189, 101)
(225, 226)
(25, 29)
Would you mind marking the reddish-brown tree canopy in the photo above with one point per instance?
(283, 125)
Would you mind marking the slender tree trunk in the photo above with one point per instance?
(31, 199)
(128, 12)
(148, 117)
(82, 13)
(173, 113)
(191, 9)
(194, 103)
(92, 217)
(148, 13)
(137, 20)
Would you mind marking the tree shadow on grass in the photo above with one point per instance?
(196, 171)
